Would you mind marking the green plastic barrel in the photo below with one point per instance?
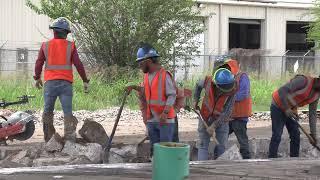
(170, 161)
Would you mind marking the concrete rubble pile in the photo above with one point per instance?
(87, 150)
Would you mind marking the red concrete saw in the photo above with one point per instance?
(20, 125)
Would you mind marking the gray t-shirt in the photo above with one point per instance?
(170, 94)
(284, 92)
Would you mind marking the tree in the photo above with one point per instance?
(314, 30)
(110, 30)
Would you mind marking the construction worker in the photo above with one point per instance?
(216, 110)
(298, 92)
(242, 108)
(58, 55)
(160, 95)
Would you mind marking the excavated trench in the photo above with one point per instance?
(258, 148)
(35, 155)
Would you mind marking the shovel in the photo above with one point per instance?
(205, 124)
(310, 138)
(108, 147)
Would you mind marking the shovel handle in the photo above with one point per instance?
(117, 120)
(201, 118)
(205, 124)
(143, 140)
(310, 138)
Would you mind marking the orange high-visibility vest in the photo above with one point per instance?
(156, 94)
(58, 63)
(298, 97)
(242, 108)
(210, 107)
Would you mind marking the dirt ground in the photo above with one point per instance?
(131, 128)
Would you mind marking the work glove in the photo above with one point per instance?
(291, 114)
(163, 119)
(195, 106)
(130, 88)
(86, 87)
(39, 83)
(212, 130)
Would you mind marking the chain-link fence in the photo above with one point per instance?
(260, 67)
(22, 61)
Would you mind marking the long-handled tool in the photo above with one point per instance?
(205, 124)
(143, 140)
(312, 141)
(108, 147)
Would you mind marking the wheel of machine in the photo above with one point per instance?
(30, 127)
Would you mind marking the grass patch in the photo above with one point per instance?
(101, 95)
(106, 94)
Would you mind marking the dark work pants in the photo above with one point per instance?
(279, 120)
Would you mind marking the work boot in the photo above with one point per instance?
(48, 128)
(70, 126)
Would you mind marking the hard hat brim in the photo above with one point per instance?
(146, 57)
(226, 87)
(59, 29)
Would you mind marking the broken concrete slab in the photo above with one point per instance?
(10, 164)
(51, 161)
(126, 151)
(45, 154)
(93, 132)
(34, 153)
(231, 154)
(7, 151)
(115, 158)
(21, 157)
(308, 151)
(55, 144)
(80, 160)
(17, 157)
(92, 151)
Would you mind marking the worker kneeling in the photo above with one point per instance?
(298, 92)
(216, 110)
(160, 95)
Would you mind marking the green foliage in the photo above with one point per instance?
(110, 31)
(105, 94)
(261, 92)
(102, 94)
(314, 30)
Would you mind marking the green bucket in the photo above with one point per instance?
(170, 161)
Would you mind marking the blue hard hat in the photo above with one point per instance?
(224, 79)
(145, 53)
(61, 24)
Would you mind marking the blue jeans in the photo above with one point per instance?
(222, 134)
(239, 127)
(159, 133)
(279, 120)
(61, 89)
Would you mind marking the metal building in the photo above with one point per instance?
(277, 27)
(21, 33)
(20, 26)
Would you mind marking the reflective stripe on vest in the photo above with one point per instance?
(156, 99)
(210, 107)
(159, 100)
(67, 66)
(298, 97)
(242, 109)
